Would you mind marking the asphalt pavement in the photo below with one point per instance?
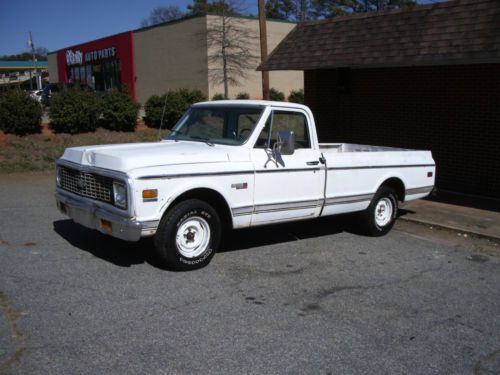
(309, 297)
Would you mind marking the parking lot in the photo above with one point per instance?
(309, 297)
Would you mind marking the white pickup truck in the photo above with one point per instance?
(234, 164)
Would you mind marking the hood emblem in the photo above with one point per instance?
(91, 157)
(80, 184)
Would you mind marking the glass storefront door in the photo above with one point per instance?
(100, 77)
(111, 74)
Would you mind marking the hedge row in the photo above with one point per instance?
(19, 113)
(170, 107)
(119, 111)
(77, 110)
(74, 111)
(296, 96)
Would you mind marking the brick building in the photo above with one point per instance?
(168, 56)
(424, 77)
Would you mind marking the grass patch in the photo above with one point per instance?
(38, 152)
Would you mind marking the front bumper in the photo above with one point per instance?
(90, 215)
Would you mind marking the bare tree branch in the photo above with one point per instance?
(162, 14)
(231, 46)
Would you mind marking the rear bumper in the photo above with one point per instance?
(90, 215)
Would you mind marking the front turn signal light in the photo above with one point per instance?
(150, 194)
(106, 226)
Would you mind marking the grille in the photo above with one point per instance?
(87, 184)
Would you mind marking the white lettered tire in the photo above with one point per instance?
(188, 235)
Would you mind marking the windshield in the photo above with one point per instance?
(213, 124)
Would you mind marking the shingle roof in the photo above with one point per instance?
(454, 32)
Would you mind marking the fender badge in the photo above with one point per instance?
(242, 185)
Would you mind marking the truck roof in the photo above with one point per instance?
(245, 102)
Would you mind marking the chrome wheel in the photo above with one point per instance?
(192, 237)
(383, 212)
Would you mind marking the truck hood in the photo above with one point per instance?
(126, 157)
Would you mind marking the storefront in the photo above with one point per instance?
(101, 64)
(169, 56)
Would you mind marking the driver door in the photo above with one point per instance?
(287, 187)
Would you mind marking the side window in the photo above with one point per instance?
(284, 120)
(264, 135)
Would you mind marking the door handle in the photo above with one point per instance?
(315, 162)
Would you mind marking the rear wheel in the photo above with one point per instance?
(379, 217)
(188, 235)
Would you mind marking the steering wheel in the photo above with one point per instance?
(242, 131)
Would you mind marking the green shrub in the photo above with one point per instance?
(119, 112)
(19, 113)
(153, 110)
(243, 95)
(175, 102)
(276, 95)
(219, 97)
(296, 96)
(74, 110)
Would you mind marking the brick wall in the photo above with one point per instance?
(454, 111)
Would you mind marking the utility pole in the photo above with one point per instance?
(263, 49)
(37, 78)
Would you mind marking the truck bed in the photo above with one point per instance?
(354, 173)
(351, 147)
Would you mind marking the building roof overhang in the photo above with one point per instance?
(450, 33)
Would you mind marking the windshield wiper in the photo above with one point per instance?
(197, 138)
(173, 134)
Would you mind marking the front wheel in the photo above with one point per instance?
(188, 235)
(379, 217)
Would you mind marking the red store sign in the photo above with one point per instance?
(118, 49)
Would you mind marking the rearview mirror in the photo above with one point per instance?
(286, 142)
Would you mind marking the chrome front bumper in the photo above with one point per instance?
(90, 215)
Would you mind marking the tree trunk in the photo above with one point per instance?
(263, 48)
(224, 66)
(224, 57)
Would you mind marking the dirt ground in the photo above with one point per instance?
(38, 152)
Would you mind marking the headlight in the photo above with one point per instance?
(58, 175)
(120, 194)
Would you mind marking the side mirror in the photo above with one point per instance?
(286, 142)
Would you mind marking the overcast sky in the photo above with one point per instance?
(57, 24)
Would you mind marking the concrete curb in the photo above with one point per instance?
(451, 227)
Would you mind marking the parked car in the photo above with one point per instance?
(234, 164)
(47, 93)
(53, 88)
(36, 94)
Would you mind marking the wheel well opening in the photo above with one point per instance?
(397, 185)
(213, 198)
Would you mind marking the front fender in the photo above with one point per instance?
(169, 189)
